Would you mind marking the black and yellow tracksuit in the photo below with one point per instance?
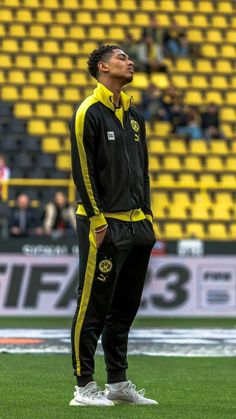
(110, 171)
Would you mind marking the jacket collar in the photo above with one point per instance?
(105, 96)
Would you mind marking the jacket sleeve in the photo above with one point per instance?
(146, 187)
(84, 134)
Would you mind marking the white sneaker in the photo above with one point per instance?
(90, 395)
(126, 392)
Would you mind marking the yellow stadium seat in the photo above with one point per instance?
(32, 4)
(9, 45)
(177, 211)
(37, 77)
(231, 36)
(209, 50)
(122, 18)
(70, 48)
(63, 63)
(64, 17)
(6, 15)
(199, 212)
(3, 30)
(171, 163)
(141, 19)
(140, 81)
(205, 6)
(165, 180)
(70, 94)
(224, 198)
(127, 5)
(214, 164)
(75, 32)
(228, 51)
(30, 93)
(219, 147)
(232, 231)
(220, 212)
(228, 181)
(231, 164)
(116, 34)
(148, 5)
(156, 146)
(50, 93)
(84, 18)
(85, 4)
(16, 77)
(162, 129)
(44, 62)
(198, 147)
(182, 19)
(97, 32)
(204, 66)
(186, 6)
(30, 46)
(219, 82)
(161, 80)
(180, 81)
(192, 163)
(2, 77)
(163, 19)
(231, 98)
(58, 127)
(217, 231)
(214, 36)
(160, 199)
(17, 30)
(202, 198)
(87, 47)
(219, 21)
(199, 82)
(23, 110)
(228, 130)
(23, 15)
(233, 146)
(193, 97)
(51, 144)
(177, 147)
(167, 5)
(36, 30)
(64, 110)
(51, 47)
(228, 114)
(58, 78)
(225, 7)
(50, 4)
(11, 3)
(187, 180)
(37, 127)
(63, 162)
(195, 35)
(153, 163)
(208, 180)
(9, 93)
(223, 66)
(108, 4)
(58, 31)
(23, 61)
(195, 230)
(181, 198)
(214, 97)
(184, 65)
(44, 110)
(173, 231)
(200, 20)
(104, 18)
(77, 78)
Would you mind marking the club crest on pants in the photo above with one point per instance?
(105, 266)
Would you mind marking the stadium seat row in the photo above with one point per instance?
(207, 231)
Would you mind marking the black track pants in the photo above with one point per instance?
(111, 281)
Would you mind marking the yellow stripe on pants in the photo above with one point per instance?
(88, 282)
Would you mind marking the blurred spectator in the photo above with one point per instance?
(210, 122)
(151, 105)
(24, 220)
(171, 96)
(150, 56)
(4, 172)
(174, 40)
(156, 33)
(59, 216)
(186, 121)
(184, 48)
(130, 47)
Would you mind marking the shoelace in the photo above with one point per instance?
(133, 392)
(94, 393)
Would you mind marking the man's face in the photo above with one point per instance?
(119, 66)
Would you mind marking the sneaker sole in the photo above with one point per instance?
(74, 403)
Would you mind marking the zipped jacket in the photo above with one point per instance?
(109, 157)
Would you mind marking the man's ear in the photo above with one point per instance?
(102, 67)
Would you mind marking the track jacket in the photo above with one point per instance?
(110, 159)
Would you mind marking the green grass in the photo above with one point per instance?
(40, 387)
(65, 322)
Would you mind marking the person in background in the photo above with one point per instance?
(210, 122)
(4, 172)
(59, 216)
(171, 39)
(156, 33)
(24, 220)
(150, 55)
(151, 104)
(130, 46)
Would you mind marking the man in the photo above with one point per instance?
(24, 220)
(114, 226)
(59, 216)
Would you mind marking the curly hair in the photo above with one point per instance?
(102, 53)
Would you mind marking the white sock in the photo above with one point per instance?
(117, 386)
